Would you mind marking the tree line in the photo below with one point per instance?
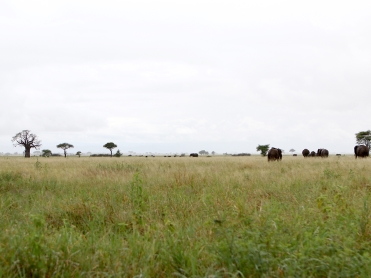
(29, 140)
(362, 138)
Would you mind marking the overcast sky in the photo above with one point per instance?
(182, 76)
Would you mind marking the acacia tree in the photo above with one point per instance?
(364, 138)
(110, 146)
(263, 149)
(46, 153)
(64, 147)
(78, 153)
(118, 153)
(202, 152)
(28, 140)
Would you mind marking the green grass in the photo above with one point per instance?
(185, 217)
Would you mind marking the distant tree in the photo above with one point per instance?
(364, 138)
(46, 153)
(263, 149)
(28, 140)
(291, 150)
(202, 152)
(110, 146)
(78, 153)
(65, 147)
(118, 153)
(213, 153)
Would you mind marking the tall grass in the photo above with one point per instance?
(185, 217)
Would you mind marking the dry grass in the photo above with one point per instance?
(160, 217)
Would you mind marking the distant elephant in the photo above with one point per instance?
(361, 151)
(305, 152)
(312, 154)
(322, 152)
(193, 155)
(274, 154)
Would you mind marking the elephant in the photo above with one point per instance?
(274, 154)
(312, 154)
(322, 152)
(193, 155)
(305, 152)
(361, 151)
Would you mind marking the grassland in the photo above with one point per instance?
(185, 217)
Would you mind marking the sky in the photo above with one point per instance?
(184, 76)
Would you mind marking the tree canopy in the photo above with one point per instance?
(65, 147)
(118, 153)
(46, 153)
(364, 138)
(110, 146)
(28, 140)
(263, 149)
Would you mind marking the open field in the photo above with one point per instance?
(185, 217)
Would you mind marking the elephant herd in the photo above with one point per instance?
(276, 153)
(361, 151)
(320, 152)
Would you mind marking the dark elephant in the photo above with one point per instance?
(322, 152)
(274, 154)
(305, 152)
(193, 155)
(312, 154)
(361, 151)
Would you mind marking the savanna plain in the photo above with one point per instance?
(185, 217)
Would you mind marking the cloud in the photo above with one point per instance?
(186, 74)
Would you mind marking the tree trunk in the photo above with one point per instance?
(65, 153)
(27, 152)
(111, 153)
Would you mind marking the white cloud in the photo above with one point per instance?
(182, 74)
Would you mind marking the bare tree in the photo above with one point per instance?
(64, 147)
(28, 140)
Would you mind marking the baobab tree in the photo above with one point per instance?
(110, 146)
(28, 140)
(64, 147)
